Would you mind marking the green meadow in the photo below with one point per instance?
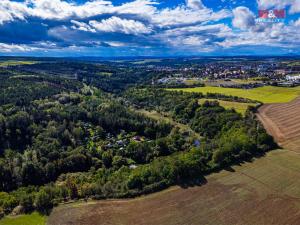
(15, 63)
(240, 107)
(28, 219)
(266, 94)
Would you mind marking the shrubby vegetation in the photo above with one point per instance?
(75, 141)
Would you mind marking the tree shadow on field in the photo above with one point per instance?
(239, 163)
(230, 169)
(199, 181)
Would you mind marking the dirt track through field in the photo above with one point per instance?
(282, 121)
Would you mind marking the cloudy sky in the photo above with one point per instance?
(146, 28)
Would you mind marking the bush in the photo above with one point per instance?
(26, 202)
(7, 202)
(1, 213)
(43, 202)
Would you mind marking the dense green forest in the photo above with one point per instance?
(64, 139)
(110, 78)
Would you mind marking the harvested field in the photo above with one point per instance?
(282, 121)
(262, 192)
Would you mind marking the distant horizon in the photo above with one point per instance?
(151, 57)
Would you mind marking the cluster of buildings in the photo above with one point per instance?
(290, 81)
(274, 73)
(295, 78)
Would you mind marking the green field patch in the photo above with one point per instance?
(247, 81)
(167, 118)
(147, 61)
(295, 63)
(23, 76)
(192, 81)
(240, 107)
(266, 94)
(217, 83)
(31, 219)
(106, 74)
(15, 63)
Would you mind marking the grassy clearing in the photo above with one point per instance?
(267, 94)
(32, 219)
(295, 63)
(240, 107)
(23, 76)
(147, 61)
(15, 63)
(105, 74)
(266, 191)
(156, 115)
(167, 118)
(192, 81)
(217, 83)
(248, 81)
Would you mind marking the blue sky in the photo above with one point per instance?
(146, 28)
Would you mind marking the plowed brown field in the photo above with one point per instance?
(263, 192)
(282, 121)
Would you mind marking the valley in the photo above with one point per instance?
(119, 142)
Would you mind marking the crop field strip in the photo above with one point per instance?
(266, 94)
(16, 63)
(283, 122)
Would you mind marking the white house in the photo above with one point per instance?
(293, 78)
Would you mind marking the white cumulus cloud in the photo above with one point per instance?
(16, 48)
(116, 24)
(243, 18)
(280, 4)
(194, 4)
(82, 26)
(12, 10)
